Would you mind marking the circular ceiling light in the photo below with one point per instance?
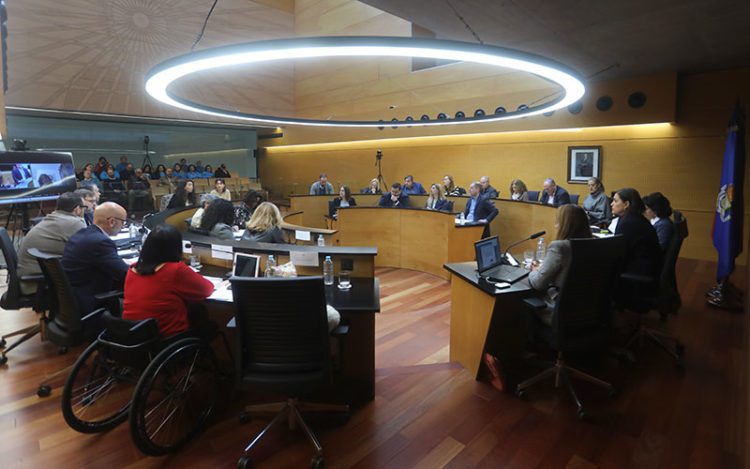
(163, 75)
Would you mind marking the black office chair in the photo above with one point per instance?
(665, 299)
(533, 196)
(14, 299)
(574, 198)
(283, 348)
(68, 325)
(582, 317)
(449, 207)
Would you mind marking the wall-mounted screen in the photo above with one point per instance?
(33, 176)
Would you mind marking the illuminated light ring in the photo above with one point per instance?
(163, 75)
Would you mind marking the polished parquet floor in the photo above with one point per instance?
(430, 413)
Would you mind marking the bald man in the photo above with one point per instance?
(90, 257)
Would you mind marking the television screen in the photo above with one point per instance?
(33, 176)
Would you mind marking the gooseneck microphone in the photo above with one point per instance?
(534, 236)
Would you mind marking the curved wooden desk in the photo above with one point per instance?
(409, 238)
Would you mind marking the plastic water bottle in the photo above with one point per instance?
(461, 219)
(321, 241)
(133, 231)
(270, 264)
(328, 271)
(540, 250)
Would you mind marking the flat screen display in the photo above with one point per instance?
(246, 265)
(488, 253)
(34, 176)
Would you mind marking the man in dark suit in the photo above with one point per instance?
(90, 257)
(479, 209)
(554, 194)
(394, 198)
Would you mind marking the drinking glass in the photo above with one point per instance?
(528, 257)
(345, 280)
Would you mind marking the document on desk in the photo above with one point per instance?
(219, 251)
(120, 236)
(127, 253)
(309, 259)
(221, 292)
(302, 235)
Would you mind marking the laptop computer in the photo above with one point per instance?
(245, 265)
(490, 262)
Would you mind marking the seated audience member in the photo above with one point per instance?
(147, 171)
(44, 180)
(193, 173)
(643, 255)
(596, 204)
(245, 209)
(208, 172)
(109, 174)
(658, 211)
(265, 225)
(139, 189)
(321, 186)
(222, 171)
(552, 194)
(114, 189)
(101, 165)
(373, 188)
(50, 235)
(169, 179)
(518, 190)
(550, 275)
(436, 200)
(184, 195)
(199, 166)
(450, 188)
(90, 256)
(344, 199)
(122, 165)
(160, 172)
(205, 201)
(411, 187)
(161, 286)
(183, 162)
(128, 173)
(488, 192)
(479, 209)
(394, 198)
(90, 199)
(88, 178)
(179, 172)
(220, 190)
(218, 219)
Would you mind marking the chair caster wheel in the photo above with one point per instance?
(44, 390)
(2, 343)
(317, 462)
(244, 417)
(582, 415)
(62, 350)
(3, 360)
(521, 393)
(244, 462)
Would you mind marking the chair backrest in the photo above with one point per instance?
(130, 342)
(64, 308)
(282, 326)
(331, 208)
(449, 206)
(583, 312)
(164, 201)
(533, 196)
(574, 199)
(669, 295)
(13, 294)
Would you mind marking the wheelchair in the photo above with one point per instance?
(167, 389)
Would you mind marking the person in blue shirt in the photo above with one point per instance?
(107, 174)
(208, 172)
(179, 171)
(88, 178)
(192, 172)
(199, 166)
(120, 168)
(412, 188)
(658, 210)
(479, 209)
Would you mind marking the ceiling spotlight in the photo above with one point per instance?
(460, 115)
(499, 110)
(523, 107)
(381, 126)
(394, 120)
(479, 113)
(424, 117)
(442, 116)
(409, 119)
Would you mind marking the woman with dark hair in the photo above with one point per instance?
(450, 188)
(147, 170)
(179, 171)
(658, 211)
(101, 165)
(596, 203)
(518, 190)
(245, 209)
(549, 275)
(208, 172)
(183, 196)
(192, 172)
(218, 219)
(643, 255)
(161, 286)
(160, 172)
(344, 199)
(220, 190)
(222, 171)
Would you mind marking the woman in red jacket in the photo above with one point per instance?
(161, 286)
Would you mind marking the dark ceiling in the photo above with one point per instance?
(598, 38)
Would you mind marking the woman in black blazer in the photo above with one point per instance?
(658, 211)
(643, 255)
(436, 200)
(344, 199)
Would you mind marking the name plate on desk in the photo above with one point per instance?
(302, 236)
(309, 259)
(219, 251)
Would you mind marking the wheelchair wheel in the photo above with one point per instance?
(174, 397)
(96, 396)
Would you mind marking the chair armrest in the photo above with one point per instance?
(141, 324)
(645, 279)
(109, 295)
(534, 303)
(94, 314)
(38, 278)
(340, 331)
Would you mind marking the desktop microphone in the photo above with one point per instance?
(534, 236)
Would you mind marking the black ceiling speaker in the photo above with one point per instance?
(637, 100)
(460, 115)
(380, 127)
(522, 107)
(424, 117)
(409, 119)
(499, 110)
(575, 108)
(479, 113)
(604, 103)
(394, 120)
(442, 116)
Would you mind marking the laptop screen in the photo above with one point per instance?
(488, 253)
(245, 265)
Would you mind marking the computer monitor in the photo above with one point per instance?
(33, 176)
(488, 253)
(245, 265)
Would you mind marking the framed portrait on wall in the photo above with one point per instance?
(584, 163)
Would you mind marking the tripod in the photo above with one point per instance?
(378, 161)
(147, 154)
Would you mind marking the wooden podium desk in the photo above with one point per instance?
(407, 238)
(485, 319)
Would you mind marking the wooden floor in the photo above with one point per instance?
(430, 413)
